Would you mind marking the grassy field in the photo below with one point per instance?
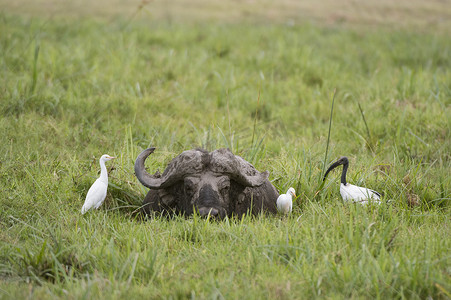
(78, 81)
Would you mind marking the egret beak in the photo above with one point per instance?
(111, 157)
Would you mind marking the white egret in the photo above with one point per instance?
(350, 192)
(97, 192)
(285, 201)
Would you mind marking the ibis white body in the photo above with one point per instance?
(357, 194)
(285, 201)
(97, 192)
(350, 192)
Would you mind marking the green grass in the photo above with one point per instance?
(72, 91)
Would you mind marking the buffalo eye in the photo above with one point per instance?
(190, 187)
(225, 191)
(224, 186)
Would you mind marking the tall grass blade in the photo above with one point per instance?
(369, 140)
(255, 118)
(328, 141)
(330, 127)
(228, 114)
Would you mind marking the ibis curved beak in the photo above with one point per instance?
(333, 166)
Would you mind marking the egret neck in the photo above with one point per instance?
(103, 172)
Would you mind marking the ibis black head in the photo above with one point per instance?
(341, 161)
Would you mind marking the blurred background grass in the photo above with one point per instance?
(80, 78)
(435, 14)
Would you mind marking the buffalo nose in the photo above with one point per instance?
(204, 211)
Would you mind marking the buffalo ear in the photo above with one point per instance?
(241, 198)
(166, 197)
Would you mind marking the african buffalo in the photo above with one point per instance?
(216, 183)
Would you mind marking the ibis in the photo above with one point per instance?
(97, 192)
(350, 192)
(285, 201)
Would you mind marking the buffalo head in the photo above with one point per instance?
(216, 183)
